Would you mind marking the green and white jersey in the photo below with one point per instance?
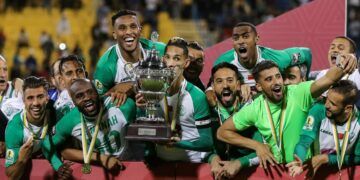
(110, 139)
(110, 70)
(12, 106)
(319, 128)
(63, 104)
(284, 59)
(194, 123)
(8, 93)
(298, 102)
(17, 134)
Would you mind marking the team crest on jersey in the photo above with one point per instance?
(99, 86)
(295, 58)
(309, 123)
(10, 156)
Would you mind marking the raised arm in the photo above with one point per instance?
(205, 141)
(228, 133)
(347, 66)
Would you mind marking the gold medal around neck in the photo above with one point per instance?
(86, 168)
(341, 149)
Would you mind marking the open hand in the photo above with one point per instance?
(265, 155)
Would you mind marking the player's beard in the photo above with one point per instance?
(334, 115)
(92, 112)
(227, 97)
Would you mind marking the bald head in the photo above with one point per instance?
(79, 83)
(85, 97)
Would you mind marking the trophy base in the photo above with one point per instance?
(148, 131)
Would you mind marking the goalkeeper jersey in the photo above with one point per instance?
(298, 101)
(225, 151)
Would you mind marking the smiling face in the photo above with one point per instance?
(85, 97)
(338, 46)
(3, 75)
(244, 43)
(35, 100)
(196, 65)
(225, 85)
(127, 32)
(270, 82)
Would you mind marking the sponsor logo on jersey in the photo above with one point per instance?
(326, 132)
(309, 124)
(10, 155)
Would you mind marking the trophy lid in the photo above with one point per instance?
(153, 60)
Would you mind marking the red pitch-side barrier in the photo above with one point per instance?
(41, 169)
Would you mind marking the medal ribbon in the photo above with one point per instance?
(218, 109)
(340, 151)
(173, 118)
(35, 135)
(235, 109)
(86, 153)
(276, 137)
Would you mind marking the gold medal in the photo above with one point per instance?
(339, 175)
(341, 149)
(36, 136)
(86, 168)
(277, 137)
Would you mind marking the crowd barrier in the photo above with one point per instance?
(41, 169)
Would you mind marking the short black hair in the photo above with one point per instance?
(178, 42)
(261, 66)
(32, 82)
(68, 58)
(353, 47)
(227, 66)
(252, 26)
(195, 45)
(348, 90)
(120, 13)
(303, 70)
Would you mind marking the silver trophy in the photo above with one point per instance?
(152, 79)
